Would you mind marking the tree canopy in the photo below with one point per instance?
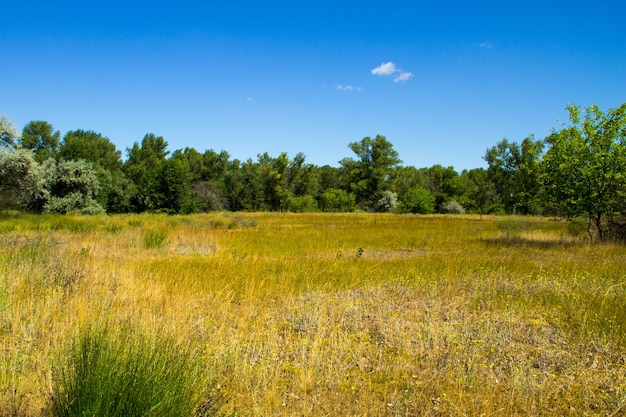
(578, 170)
(585, 168)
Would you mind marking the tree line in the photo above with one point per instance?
(579, 170)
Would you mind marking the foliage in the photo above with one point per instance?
(124, 373)
(142, 167)
(441, 182)
(452, 207)
(21, 178)
(418, 200)
(301, 204)
(388, 201)
(92, 147)
(584, 169)
(337, 200)
(515, 171)
(8, 134)
(69, 186)
(368, 175)
(172, 192)
(42, 139)
(477, 193)
(207, 197)
(116, 189)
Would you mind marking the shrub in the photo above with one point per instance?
(337, 200)
(452, 207)
(302, 204)
(418, 200)
(388, 201)
(124, 373)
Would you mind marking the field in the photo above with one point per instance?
(312, 315)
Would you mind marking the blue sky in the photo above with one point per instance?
(443, 81)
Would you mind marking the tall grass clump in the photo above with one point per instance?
(154, 239)
(105, 372)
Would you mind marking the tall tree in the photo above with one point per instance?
(441, 182)
(92, 147)
(41, 138)
(515, 171)
(584, 169)
(173, 192)
(142, 167)
(369, 174)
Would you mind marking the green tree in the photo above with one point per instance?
(92, 147)
(476, 192)
(208, 175)
(41, 138)
(515, 171)
(584, 169)
(142, 167)
(369, 174)
(173, 191)
(442, 183)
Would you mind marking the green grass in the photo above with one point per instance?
(121, 372)
(310, 314)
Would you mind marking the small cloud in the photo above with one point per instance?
(404, 76)
(388, 68)
(486, 45)
(347, 88)
(249, 99)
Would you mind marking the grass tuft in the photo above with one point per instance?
(124, 373)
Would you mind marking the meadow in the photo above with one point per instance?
(261, 314)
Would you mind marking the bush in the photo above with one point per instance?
(418, 200)
(302, 204)
(388, 201)
(452, 207)
(337, 200)
(124, 373)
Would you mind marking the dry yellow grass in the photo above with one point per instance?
(320, 314)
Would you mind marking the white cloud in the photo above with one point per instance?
(347, 88)
(404, 76)
(388, 68)
(344, 87)
(486, 45)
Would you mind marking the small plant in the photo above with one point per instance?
(125, 373)
(155, 239)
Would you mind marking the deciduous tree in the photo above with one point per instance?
(368, 175)
(42, 139)
(584, 169)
